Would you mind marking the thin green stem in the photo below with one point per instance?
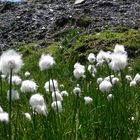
(125, 114)
(58, 117)
(10, 105)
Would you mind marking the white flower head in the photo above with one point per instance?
(14, 95)
(51, 85)
(108, 78)
(3, 76)
(56, 96)
(88, 100)
(91, 58)
(137, 77)
(133, 83)
(16, 80)
(100, 63)
(105, 86)
(41, 109)
(64, 93)
(115, 80)
(79, 70)
(37, 103)
(1, 110)
(119, 49)
(128, 77)
(110, 97)
(103, 56)
(99, 80)
(28, 86)
(78, 65)
(36, 99)
(10, 59)
(46, 62)
(132, 118)
(57, 105)
(4, 117)
(77, 91)
(118, 61)
(61, 86)
(27, 116)
(27, 74)
(92, 69)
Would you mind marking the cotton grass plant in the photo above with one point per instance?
(96, 99)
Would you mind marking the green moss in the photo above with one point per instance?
(25, 48)
(106, 40)
(77, 43)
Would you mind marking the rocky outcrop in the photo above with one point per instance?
(40, 20)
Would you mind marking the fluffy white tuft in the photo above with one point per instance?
(64, 93)
(27, 116)
(16, 80)
(57, 105)
(4, 117)
(118, 61)
(103, 56)
(46, 62)
(1, 110)
(27, 74)
(105, 86)
(133, 83)
(37, 103)
(10, 60)
(56, 96)
(28, 86)
(51, 85)
(79, 70)
(119, 49)
(14, 95)
(88, 100)
(91, 58)
(77, 91)
(109, 97)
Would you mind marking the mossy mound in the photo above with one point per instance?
(77, 43)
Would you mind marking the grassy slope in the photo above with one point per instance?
(93, 121)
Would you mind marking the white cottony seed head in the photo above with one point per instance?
(28, 86)
(105, 86)
(16, 80)
(51, 85)
(128, 77)
(119, 49)
(27, 116)
(99, 80)
(118, 61)
(4, 117)
(1, 110)
(57, 105)
(91, 58)
(46, 62)
(38, 105)
(109, 97)
(77, 91)
(14, 95)
(133, 83)
(64, 93)
(88, 100)
(56, 96)
(10, 59)
(27, 74)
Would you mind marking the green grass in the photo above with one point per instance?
(102, 120)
